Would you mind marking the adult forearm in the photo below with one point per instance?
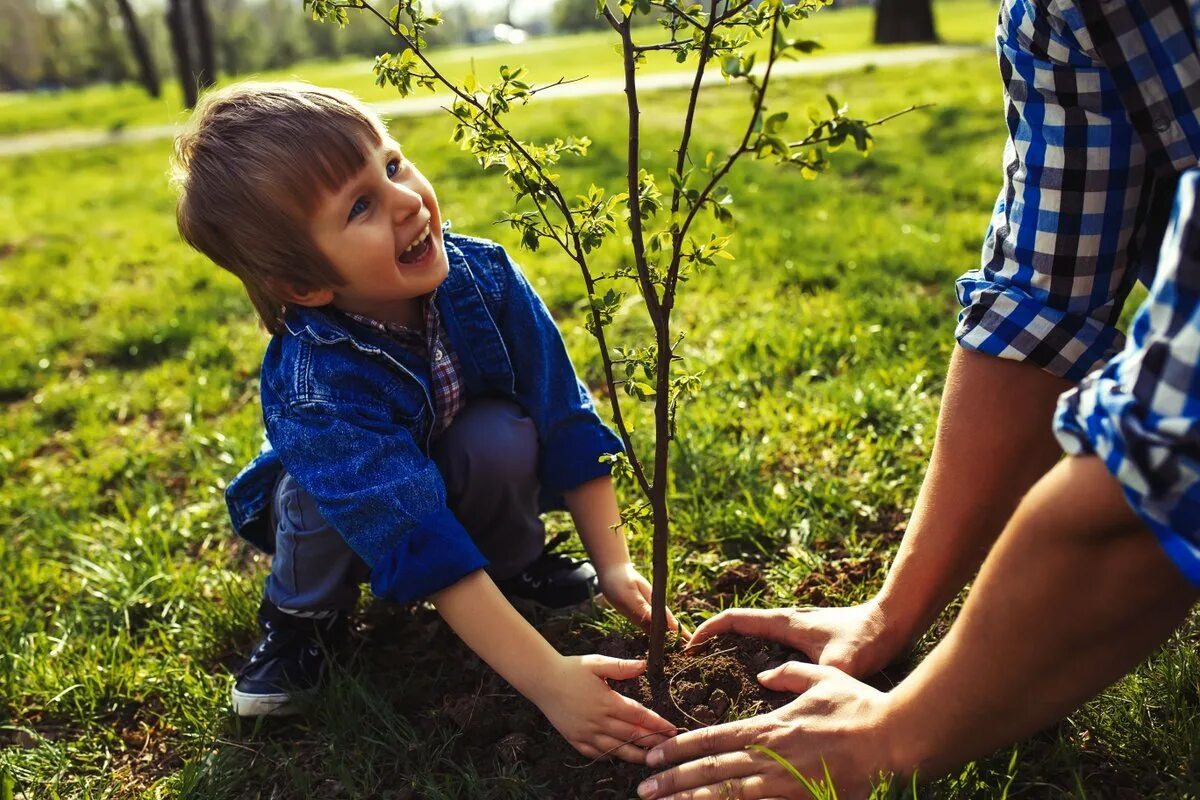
(994, 441)
(1075, 594)
(488, 624)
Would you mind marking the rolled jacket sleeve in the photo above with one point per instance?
(372, 482)
(572, 436)
(1141, 413)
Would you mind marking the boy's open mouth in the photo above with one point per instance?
(419, 248)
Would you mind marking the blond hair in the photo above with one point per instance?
(248, 171)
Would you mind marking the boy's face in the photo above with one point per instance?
(383, 235)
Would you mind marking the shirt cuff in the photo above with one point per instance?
(571, 455)
(1004, 321)
(1158, 472)
(437, 553)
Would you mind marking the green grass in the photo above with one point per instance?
(590, 54)
(129, 394)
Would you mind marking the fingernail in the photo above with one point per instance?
(654, 759)
(648, 787)
(766, 673)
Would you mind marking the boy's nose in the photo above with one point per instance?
(405, 202)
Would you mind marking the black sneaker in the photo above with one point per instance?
(289, 658)
(554, 579)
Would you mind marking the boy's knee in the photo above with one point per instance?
(490, 440)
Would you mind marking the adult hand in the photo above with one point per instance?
(628, 592)
(856, 639)
(591, 716)
(837, 723)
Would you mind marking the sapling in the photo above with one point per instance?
(664, 250)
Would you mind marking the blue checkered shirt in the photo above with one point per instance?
(1102, 99)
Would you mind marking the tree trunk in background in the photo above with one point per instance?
(900, 21)
(206, 61)
(177, 26)
(141, 51)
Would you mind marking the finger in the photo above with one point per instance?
(708, 772)
(585, 749)
(619, 748)
(633, 712)
(794, 676)
(616, 669)
(771, 623)
(706, 741)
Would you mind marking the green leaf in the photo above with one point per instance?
(731, 65)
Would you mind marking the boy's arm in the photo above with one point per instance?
(570, 690)
(593, 507)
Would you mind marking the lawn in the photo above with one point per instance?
(590, 55)
(129, 396)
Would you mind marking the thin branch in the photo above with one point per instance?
(809, 142)
(679, 12)
(653, 301)
(673, 271)
(705, 52)
(645, 48)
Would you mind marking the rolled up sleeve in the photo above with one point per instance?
(372, 482)
(1141, 413)
(1055, 261)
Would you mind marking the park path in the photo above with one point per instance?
(590, 87)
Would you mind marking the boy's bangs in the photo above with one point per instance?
(328, 157)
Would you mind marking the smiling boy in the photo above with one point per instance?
(419, 404)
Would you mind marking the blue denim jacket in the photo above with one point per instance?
(349, 412)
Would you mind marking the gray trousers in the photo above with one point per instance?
(488, 460)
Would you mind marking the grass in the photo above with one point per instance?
(129, 393)
(590, 54)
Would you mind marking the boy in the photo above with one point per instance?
(418, 402)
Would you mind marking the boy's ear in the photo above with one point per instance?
(311, 298)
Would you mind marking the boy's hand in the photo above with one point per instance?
(595, 719)
(629, 593)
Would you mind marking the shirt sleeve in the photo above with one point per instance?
(572, 437)
(385, 497)
(1141, 413)
(1056, 257)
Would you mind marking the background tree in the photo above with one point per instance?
(141, 49)
(181, 48)
(904, 21)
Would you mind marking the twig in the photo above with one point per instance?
(612, 750)
(880, 121)
(671, 681)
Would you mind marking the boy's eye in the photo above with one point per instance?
(360, 205)
(393, 167)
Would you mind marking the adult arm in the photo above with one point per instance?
(1073, 596)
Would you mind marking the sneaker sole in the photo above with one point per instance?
(261, 705)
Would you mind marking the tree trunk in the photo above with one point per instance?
(177, 25)
(901, 21)
(141, 52)
(206, 62)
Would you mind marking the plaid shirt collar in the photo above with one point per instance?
(445, 373)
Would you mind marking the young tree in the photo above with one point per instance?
(665, 249)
